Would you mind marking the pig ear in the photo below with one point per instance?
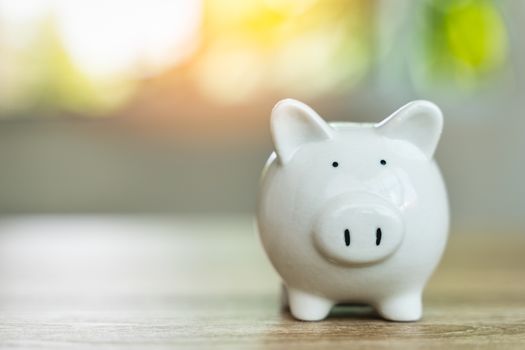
(418, 122)
(294, 124)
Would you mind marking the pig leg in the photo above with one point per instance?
(308, 307)
(401, 307)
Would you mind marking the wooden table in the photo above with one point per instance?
(201, 282)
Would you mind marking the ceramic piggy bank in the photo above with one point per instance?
(354, 213)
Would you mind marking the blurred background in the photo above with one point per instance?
(162, 107)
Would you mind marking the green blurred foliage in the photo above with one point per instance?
(464, 42)
(45, 80)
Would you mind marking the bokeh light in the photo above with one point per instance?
(108, 38)
(90, 53)
(90, 58)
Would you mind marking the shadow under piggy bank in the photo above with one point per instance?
(344, 311)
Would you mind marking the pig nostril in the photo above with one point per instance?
(378, 236)
(347, 237)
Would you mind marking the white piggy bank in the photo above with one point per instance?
(354, 213)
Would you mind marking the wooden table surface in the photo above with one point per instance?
(202, 282)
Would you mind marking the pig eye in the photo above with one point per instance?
(382, 161)
(335, 164)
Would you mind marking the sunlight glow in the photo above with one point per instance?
(118, 37)
(113, 37)
(88, 57)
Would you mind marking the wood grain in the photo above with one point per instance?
(202, 282)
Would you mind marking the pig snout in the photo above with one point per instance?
(358, 228)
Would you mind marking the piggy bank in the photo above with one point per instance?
(354, 212)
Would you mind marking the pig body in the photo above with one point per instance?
(354, 213)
